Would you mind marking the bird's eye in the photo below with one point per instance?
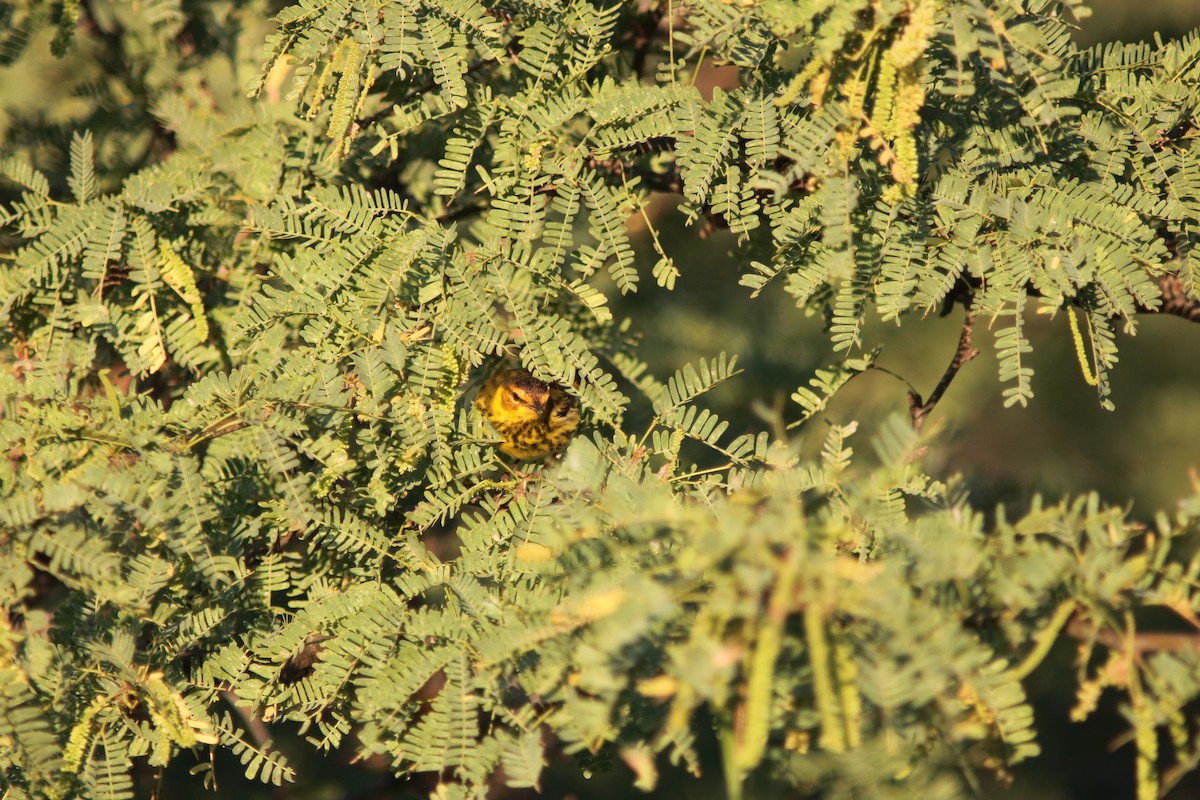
(515, 395)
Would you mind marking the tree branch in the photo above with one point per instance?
(919, 410)
(1143, 642)
(1175, 300)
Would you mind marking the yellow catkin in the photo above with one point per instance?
(768, 644)
(913, 40)
(318, 92)
(833, 735)
(904, 167)
(910, 97)
(855, 91)
(1091, 377)
(883, 111)
(81, 734)
(846, 671)
(346, 96)
(364, 90)
(1146, 738)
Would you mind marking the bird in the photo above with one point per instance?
(534, 418)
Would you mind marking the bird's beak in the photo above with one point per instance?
(540, 407)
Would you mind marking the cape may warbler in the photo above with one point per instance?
(534, 418)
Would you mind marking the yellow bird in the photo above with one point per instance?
(534, 418)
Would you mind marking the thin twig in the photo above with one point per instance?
(919, 409)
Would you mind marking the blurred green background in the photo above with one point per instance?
(1143, 454)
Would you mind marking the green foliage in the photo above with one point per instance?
(239, 368)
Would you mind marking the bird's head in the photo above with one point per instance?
(521, 397)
